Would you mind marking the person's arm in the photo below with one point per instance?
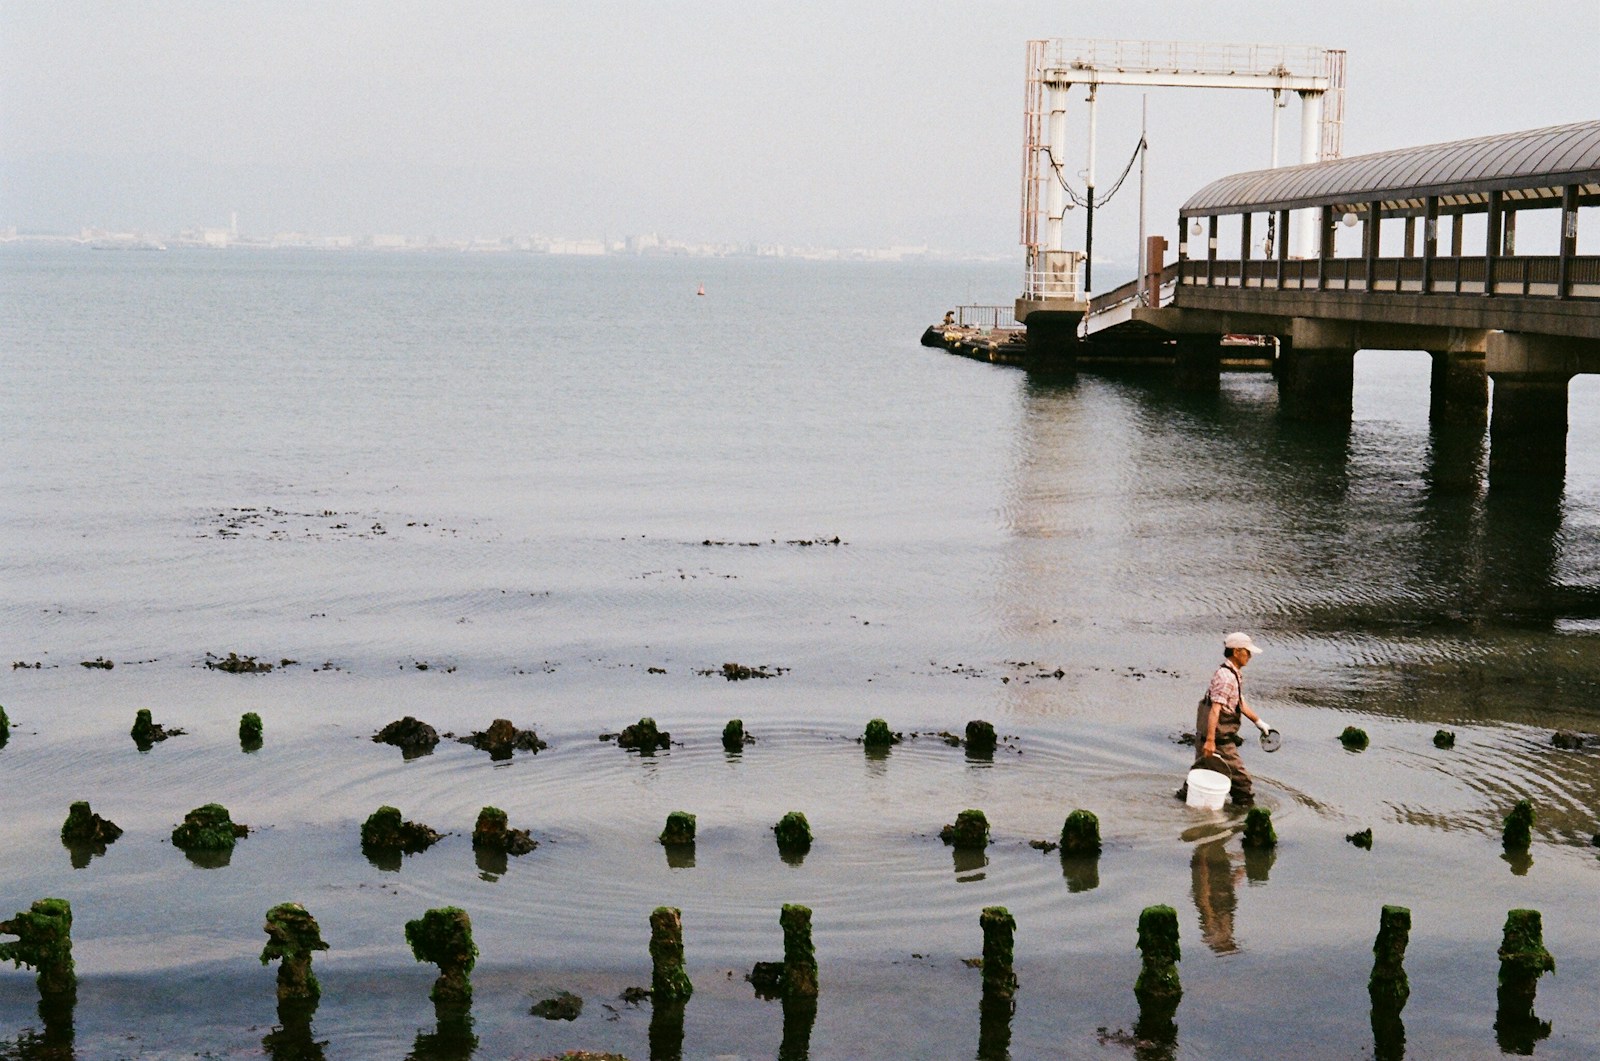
(1208, 739)
(1260, 722)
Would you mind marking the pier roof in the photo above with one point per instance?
(1530, 165)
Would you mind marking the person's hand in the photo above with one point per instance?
(1261, 724)
(1209, 748)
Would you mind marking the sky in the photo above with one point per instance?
(827, 123)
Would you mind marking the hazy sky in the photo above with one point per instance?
(845, 123)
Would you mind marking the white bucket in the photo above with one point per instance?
(1207, 789)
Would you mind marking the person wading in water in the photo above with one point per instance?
(1216, 726)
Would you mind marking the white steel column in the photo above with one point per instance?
(1277, 106)
(1305, 221)
(1056, 144)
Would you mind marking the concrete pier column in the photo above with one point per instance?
(1528, 415)
(1052, 344)
(1528, 430)
(1460, 389)
(1316, 371)
(1197, 363)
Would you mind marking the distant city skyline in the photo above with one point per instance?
(831, 125)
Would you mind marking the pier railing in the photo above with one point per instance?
(986, 317)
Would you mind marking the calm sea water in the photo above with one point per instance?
(566, 491)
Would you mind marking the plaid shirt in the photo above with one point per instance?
(1226, 689)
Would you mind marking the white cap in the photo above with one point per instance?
(1240, 639)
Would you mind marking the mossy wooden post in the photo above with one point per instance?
(1518, 827)
(83, 826)
(1354, 738)
(443, 936)
(1388, 985)
(877, 734)
(969, 833)
(799, 955)
(1080, 834)
(679, 830)
(44, 943)
(250, 731)
(733, 735)
(493, 832)
(1258, 831)
(1158, 945)
(793, 833)
(669, 981)
(293, 936)
(144, 730)
(5, 726)
(384, 829)
(999, 939)
(208, 828)
(1444, 739)
(1523, 959)
(981, 740)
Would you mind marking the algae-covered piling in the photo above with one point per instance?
(793, 833)
(1444, 739)
(146, 732)
(969, 833)
(679, 830)
(1080, 834)
(644, 737)
(44, 944)
(1523, 959)
(493, 832)
(999, 938)
(443, 936)
(385, 830)
(208, 828)
(1518, 832)
(1354, 738)
(669, 981)
(733, 735)
(1158, 947)
(1258, 831)
(5, 726)
(83, 826)
(1388, 985)
(250, 731)
(293, 936)
(877, 735)
(980, 738)
(799, 955)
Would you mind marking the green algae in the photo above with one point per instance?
(1388, 985)
(5, 726)
(293, 936)
(146, 732)
(669, 981)
(877, 735)
(1354, 739)
(1080, 834)
(1518, 827)
(44, 943)
(208, 828)
(644, 737)
(250, 731)
(799, 954)
(1258, 831)
(1523, 959)
(443, 937)
(999, 940)
(83, 826)
(385, 830)
(679, 830)
(1362, 839)
(493, 832)
(733, 735)
(1160, 953)
(793, 833)
(969, 833)
(1444, 739)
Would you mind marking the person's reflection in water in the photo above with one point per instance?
(799, 1014)
(1213, 874)
(452, 1038)
(666, 1031)
(292, 1039)
(994, 1028)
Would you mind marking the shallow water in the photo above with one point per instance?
(547, 480)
